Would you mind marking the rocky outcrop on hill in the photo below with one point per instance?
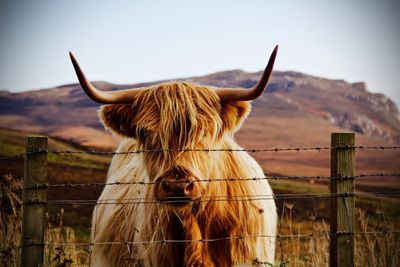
(347, 105)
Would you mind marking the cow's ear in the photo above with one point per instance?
(233, 114)
(120, 119)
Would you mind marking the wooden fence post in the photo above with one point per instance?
(34, 202)
(342, 217)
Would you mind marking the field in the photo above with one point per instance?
(297, 217)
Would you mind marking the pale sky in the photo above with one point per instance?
(138, 41)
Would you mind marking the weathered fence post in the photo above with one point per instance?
(342, 202)
(34, 198)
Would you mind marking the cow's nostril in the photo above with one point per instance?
(165, 187)
(189, 187)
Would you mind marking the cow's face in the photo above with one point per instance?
(173, 117)
(177, 116)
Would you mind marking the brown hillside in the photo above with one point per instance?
(297, 110)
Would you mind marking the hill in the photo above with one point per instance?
(67, 113)
(296, 110)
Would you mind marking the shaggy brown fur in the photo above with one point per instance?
(181, 116)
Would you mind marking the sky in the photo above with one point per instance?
(126, 42)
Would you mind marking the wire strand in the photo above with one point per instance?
(144, 182)
(172, 200)
(276, 149)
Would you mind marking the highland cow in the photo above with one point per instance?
(183, 214)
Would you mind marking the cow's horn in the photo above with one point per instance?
(235, 94)
(110, 97)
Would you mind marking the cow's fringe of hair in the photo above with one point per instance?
(175, 115)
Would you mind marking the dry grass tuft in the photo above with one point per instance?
(61, 251)
(11, 220)
(376, 249)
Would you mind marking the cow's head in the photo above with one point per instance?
(177, 116)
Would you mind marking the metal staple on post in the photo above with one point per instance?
(34, 202)
(342, 208)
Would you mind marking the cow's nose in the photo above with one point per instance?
(175, 190)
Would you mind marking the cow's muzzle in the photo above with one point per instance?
(177, 187)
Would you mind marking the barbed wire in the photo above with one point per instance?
(186, 200)
(181, 200)
(274, 177)
(144, 182)
(267, 177)
(276, 149)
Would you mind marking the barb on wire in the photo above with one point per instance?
(276, 149)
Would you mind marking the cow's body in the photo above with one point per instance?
(128, 222)
(186, 212)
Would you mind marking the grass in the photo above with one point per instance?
(13, 143)
(10, 221)
(283, 185)
(380, 249)
(293, 250)
(76, 161)
(375, 206)
(60, 250)
(8, 149)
